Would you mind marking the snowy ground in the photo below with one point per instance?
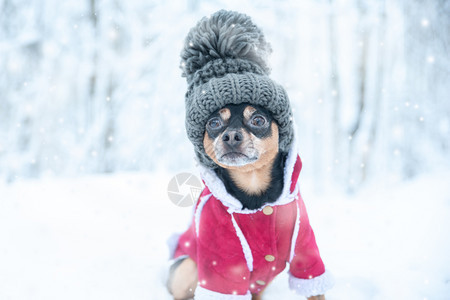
(103, 237)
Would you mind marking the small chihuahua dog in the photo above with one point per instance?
(250, 220)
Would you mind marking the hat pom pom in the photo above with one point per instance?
(225, 35)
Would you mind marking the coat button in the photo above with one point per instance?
(269, 257)
(268, 210)
(260, 282)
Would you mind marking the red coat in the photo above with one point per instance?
(238, 252)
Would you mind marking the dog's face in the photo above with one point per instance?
(241, 136)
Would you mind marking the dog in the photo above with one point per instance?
(250, 220)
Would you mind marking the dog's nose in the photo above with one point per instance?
(232, 138)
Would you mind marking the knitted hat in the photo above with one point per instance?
(224, 62)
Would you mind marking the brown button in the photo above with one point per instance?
(268, 210)
(269, 257)
(260, 282)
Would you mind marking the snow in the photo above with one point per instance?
(104, 237)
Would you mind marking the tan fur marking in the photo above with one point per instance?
(208, 144)
(320, 297)
(184, 280)
(255, 178)
(225, 114)
(257, 296)
(252, 178)
(248, 112)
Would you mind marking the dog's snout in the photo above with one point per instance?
(232, 138)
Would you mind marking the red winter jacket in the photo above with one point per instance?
(239, 251)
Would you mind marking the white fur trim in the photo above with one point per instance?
(198, 212)
(311, 287)
(172, 243)
(204, 294)
(295, 234)
(216, 186)
(245, 246)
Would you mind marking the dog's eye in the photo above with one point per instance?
(214, 123)
(258, 121)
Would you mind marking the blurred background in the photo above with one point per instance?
(94, 86)
(92, 131)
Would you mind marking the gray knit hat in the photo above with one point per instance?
(224, 62)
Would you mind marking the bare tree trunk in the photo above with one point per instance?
(109, 127)
(6, 12)
(362, 70)
(335, 86)
(378, 97)
(109, 132)
(93, 76)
